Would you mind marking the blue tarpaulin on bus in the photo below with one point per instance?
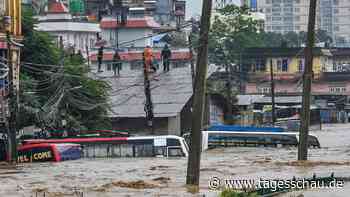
(242, 128)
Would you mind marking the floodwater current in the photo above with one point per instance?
(166, 177)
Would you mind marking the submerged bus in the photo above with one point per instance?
(45, 152)
(229, 138)
(148, 146)
(212, 139)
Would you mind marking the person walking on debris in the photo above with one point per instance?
(166, 55)
(99, 58)
(148, 58)
(117, 64)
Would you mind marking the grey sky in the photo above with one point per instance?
(194, 7)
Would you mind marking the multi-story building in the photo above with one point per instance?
(283, 16)
(10, 14)
(330, 72)
(77, 34)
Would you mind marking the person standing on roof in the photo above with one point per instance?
(166, 55)
(117, 64)
(100, 58)
(148, 58)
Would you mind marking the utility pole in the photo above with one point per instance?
(193, 166)
(272, 94)
(192, 59)
(88, 56)
(148, 105)
(307, 80)
(13, 105)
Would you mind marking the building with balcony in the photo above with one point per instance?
(331, 76)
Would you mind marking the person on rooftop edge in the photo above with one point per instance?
(117, 64)
(166, 55)
(148, 58)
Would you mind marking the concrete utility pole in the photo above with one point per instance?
(272, 94)
(13, 106)
(307, 80)
(148, 105)
(193, 166)
(192, 59)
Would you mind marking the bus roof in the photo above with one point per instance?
(87, 140)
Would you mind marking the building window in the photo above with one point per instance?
(301, 65)
(338, 89)
(285, 65)
(260, 65)
(264, 90)
(336, 28)
(279, 65)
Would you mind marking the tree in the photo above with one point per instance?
(56, 91)
(233, 30)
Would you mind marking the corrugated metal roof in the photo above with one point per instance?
(137, 55)
(284, 99)
(247, 99)
(170, 92)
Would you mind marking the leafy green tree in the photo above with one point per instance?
(232, 31)
(56, 90)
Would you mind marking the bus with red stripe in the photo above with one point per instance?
(147, 146)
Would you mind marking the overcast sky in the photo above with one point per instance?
(194, 7)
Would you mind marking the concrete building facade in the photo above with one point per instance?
(283, 16)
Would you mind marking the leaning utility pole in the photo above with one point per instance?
(272, 94)
(148, 105)
(193, 166)
(13, 106)
(307, 80)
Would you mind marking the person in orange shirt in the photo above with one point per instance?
(148, 58)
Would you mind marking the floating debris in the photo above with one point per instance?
(159, 167)
(163, 180)
(313, 163)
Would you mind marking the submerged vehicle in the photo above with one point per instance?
(148, 146)
(244, 128)
(212, 139)
(45, 152)
(229, 138)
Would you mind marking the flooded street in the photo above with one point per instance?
(166, 177)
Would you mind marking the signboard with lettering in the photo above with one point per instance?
(38, 154)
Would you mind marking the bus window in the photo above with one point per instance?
(90, 151)
(144, 150)
(175, 151)
(173, 142)
(101, 150)
(160, 151)
(115, 150)
(126, 150)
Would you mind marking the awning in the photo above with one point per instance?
(158, 38)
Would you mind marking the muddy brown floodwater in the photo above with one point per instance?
(166, 177)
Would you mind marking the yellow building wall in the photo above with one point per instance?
(293, 66)
(13, 9)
